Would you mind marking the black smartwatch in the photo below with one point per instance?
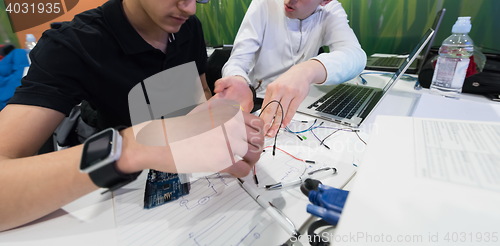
(99, 156)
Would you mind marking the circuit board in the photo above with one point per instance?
(162, 188)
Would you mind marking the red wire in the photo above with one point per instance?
(296, 158)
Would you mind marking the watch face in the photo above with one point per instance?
(97, 150)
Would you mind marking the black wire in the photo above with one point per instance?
(323, 141)
(276, 101)
(315, 239)
(320, 142)
(281, 123)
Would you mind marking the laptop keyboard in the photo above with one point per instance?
(387, 62)
(343, 101)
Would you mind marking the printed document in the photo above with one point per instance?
(425, 182)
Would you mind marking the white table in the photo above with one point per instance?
(91, 219)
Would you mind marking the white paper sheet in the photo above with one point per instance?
(216, 212)
(394, 202)
(219, 212)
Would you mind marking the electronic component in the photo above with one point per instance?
(162, 188)
(324, 171)
(327, 203)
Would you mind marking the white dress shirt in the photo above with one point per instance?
(268, 43)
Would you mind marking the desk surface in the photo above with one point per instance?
(91, 220)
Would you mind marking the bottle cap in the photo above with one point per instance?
(30, 38)
(462, 25)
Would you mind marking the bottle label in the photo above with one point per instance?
(450, 72)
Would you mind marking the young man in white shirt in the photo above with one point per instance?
(276, 52)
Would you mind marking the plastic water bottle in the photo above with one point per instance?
(29, 44)
(453, 60)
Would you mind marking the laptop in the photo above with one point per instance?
(349, 104)
(391, 63)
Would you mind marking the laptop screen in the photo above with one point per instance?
(411, 57)
(435, 26)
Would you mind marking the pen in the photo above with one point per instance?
(272, 210)
(324, 171)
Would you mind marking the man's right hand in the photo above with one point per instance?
(255, 141)
(215, 137)
(235, 88)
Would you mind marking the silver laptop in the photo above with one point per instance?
(349, 104)
(392, 63)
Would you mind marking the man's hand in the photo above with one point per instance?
(215, 137)
(290, 89)
(235, 88)
(255, 141)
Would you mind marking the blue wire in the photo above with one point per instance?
(306, 130)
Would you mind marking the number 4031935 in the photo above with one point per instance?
(33, 8)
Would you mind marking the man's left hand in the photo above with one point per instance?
(290, 89)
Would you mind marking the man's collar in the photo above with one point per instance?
(128, 38)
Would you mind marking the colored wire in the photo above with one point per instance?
(256, 180)
(320, 142)
(294, 157)
(360, 138)
(323, 141)
(281, 123)
(308, 129)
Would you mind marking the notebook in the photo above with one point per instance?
(349, 104)
(391, 63)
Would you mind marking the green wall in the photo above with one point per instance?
(221, 20)
(6, 34)
(396, 25)
(384, 26)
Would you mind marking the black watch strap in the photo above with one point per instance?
(110, 177)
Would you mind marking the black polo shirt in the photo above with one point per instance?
(99, 57)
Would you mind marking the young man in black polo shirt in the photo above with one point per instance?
(98, 57)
